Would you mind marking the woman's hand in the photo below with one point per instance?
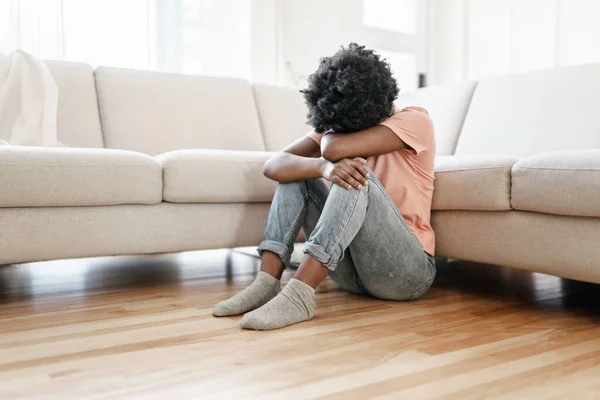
(347, 173)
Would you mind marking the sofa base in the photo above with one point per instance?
(557, 245)
(51, 233)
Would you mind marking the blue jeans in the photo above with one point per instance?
(359, 235)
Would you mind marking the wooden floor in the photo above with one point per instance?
(142, 328)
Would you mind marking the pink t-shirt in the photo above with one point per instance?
(407, 175)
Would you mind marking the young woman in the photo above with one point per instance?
(370, 232)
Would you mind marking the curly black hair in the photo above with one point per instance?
(350, 91)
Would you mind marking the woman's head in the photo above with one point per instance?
(352, 90)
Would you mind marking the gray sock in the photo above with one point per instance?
(263, 289)
(295, 303)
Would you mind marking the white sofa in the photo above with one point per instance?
(165, 163)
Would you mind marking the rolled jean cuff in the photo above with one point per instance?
(319, 253)
(275, 247)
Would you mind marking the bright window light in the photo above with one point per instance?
(393, 15)
(404, 68)
(209, 37)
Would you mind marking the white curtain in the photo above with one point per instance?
(474, 39)
(212, 37)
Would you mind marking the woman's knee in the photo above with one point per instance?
(303, 191)
(352, 195)
(291, 189)
(305, 186)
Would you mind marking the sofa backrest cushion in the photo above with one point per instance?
(535, 112)
(283, 112)
(282, 115)
(78, 122)
(447, 105)
(154, 112)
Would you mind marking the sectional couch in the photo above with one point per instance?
(159, 163)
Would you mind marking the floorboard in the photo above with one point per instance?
(141, 327)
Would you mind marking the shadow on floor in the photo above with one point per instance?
(57, 278)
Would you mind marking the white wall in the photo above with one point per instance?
(447, 30)
(266, 42)
(472, 39)
(311, 29)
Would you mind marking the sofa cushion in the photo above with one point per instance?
(564, 183)
(534, 112)
(472, 183)
(282, 115)
(447, 105)
(78, 120)
(215, 176)
(42, 177)
(153, 112)
(283, 112)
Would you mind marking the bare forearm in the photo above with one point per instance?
(285, 167)
(370, 142)
(334, 148)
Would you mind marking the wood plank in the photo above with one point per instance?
(142, 327)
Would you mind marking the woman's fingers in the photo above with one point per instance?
(346, 175)
(349, 173)
(340, 182)
(357, 174)
(363, 175)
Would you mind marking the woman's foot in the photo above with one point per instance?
(295, 303)
(264, 288)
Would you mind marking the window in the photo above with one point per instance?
(108, 32)
(404, 68)
(396, 28)
(211, 37)
(216, 37)
(392, 15)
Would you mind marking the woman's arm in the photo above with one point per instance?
(370, 142)
(302, 160)
(299, 161)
